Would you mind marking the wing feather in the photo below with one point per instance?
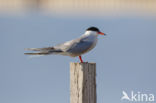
(80, 47)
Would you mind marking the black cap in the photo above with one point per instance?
(93, 29)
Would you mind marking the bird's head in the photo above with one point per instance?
(94, 31)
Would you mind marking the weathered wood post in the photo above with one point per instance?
(82, 82)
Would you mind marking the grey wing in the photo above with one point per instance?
(67, 45)
(80, 47)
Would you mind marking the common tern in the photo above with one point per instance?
(72, 48)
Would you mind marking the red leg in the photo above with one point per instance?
(80, 59)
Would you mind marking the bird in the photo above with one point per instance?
(73, 48)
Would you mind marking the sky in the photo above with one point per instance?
(125, 58)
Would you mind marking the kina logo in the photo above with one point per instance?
(137, 97)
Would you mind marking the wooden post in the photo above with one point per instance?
(82, 82)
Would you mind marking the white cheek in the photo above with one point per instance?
(91, 32)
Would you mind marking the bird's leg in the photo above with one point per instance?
(80, 59)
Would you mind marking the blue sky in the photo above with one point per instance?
(125, 58)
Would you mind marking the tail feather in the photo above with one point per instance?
(36, 53)
(40, 49)
(43, 51)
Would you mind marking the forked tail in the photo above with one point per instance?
(43, 51)
(40, 53)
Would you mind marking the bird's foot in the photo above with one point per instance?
(80, 59)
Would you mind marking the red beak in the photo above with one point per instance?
(101, 33)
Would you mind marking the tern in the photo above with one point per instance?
(72, 48)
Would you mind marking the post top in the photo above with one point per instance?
(82, 63)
